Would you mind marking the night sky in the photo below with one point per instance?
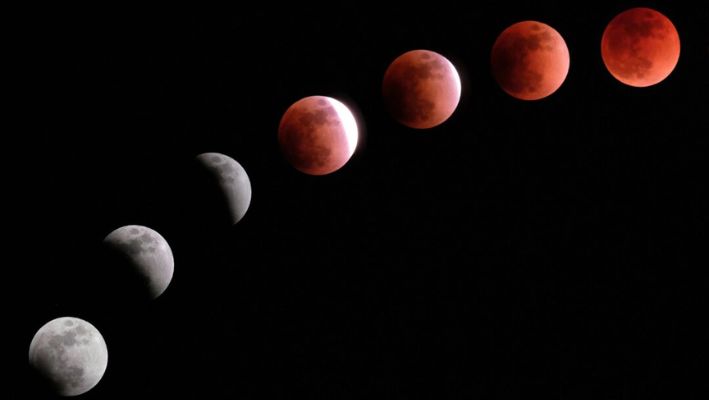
(551, 249)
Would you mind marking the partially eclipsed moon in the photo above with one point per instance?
(530, 60)
(146, 253)
(318, 135)
(421, 89)
(70, 354)
(233, 182)
(640, 47)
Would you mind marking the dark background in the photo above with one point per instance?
(551, 249)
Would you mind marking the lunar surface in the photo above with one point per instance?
(232, 180)
(146, 253)
(530, 60)
(70, 354)
(640, 47)
(421, 89)
(318, 135)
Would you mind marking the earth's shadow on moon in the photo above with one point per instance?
(207, 206)
(38, 387)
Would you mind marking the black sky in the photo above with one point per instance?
(551, 249)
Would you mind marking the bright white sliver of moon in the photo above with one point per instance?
(456, 78)
(348, 122)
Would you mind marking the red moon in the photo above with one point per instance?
(640, 47)
(530, 60)
(318, 135)
(421, 89)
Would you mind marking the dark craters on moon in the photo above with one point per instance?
(71, 375)
(320, 116)
(650, 25)
(430, 69)
(133, 246)
(407, 95)
(307, 138)
(513, 64)
(222, 168)
(140, 241)
(304, 144)
(147, 238)
(313, 137)
(68, 338)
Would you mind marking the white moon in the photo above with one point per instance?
(233, 182)
(147, 252)
(70, 354)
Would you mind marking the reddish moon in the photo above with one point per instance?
(640, 47)
(318, 135)
(530, 60)
(421, 89)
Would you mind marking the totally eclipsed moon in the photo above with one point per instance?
(421, 89)
(530, 60)
(640, 47)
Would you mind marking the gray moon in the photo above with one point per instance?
(70, 354)
(147, 253)
(232, 180)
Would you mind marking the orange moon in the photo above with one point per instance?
(530, 60)
(421, 89)
(318, 135)
(640, 47)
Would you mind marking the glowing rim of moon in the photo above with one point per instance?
(458, 85)
(348, 122)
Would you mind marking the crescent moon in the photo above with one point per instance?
(233, 181)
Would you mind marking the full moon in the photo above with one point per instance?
(421, 89)
(318, 135)
(530, 60)
(146, 253)
(70, 354)
(640, 47)
(232, 180)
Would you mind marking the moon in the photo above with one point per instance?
(530, 60)
(70, 354)
(421, 89)
(232, 180)
(146, 253)
(318, 135)
(640, 47)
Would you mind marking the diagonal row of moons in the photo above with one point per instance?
(318, 135)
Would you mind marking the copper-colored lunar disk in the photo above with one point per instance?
(421, 89)
(530, 60)
(640, 47)
(318, 135)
